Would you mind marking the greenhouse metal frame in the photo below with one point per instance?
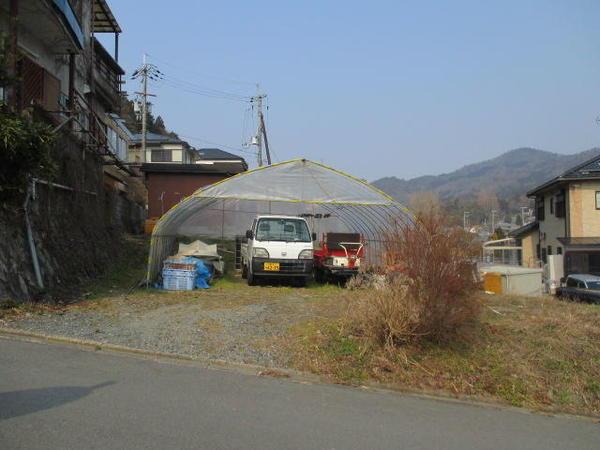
(329, 199)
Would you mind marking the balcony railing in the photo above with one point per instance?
(107, 75)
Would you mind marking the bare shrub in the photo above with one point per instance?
(367, 280)
(431, 289)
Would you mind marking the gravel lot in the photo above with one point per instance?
(230, 321)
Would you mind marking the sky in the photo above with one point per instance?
(398, 88)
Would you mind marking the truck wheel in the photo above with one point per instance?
(251, 279)
(299, 282)
(244, 271)
(319, 276)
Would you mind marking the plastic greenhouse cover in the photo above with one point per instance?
(329, 199)
(297, 181)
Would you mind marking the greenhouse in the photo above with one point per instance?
(330, 200)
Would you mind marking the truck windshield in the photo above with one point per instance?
(288, 230)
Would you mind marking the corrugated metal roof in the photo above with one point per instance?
(104, 20)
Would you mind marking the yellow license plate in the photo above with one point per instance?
(271, 266)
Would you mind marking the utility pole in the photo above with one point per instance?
(260, 129)
(493, 214)
(525, 214)
(144, 72)
(264, 133)
(144, 106)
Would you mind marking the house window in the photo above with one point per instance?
(549, 250)
(161, 156)
(544, 257)
(551, 205)
(559, 250)
(597, 199)
(540, 209)
(559, 207)
(537, 251)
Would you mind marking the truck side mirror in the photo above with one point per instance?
(314, 236)
(249, 234)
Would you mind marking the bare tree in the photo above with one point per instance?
(426, 202)
(488, 200)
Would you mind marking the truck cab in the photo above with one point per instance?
(278, 246)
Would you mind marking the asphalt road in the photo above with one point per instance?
(63, 397)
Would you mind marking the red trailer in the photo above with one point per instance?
(339, 256)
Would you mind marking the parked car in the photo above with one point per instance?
(582, 287)
(278, 246)
(338, 256)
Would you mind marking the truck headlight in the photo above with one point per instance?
(260, 252)
(306, 254)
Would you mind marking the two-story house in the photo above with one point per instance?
(568, 218)
(161, 149)
(67, 77)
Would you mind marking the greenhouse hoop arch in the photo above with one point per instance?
(330, 200)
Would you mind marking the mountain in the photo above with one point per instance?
(509, 176)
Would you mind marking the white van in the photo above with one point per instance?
(278, 246)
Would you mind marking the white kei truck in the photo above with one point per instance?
(278, 246)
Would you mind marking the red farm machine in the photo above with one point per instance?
(339, 257)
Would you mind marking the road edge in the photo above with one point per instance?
(270, 372)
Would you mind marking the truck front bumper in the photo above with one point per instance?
(287, 267)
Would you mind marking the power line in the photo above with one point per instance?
(178, 85)
(204, 89)
(203, 75)
(194, 88)
(228, 147)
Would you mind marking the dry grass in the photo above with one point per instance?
(539, 353)
(431, 286)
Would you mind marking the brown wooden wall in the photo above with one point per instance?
(175, 186)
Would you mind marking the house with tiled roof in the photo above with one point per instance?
(161, 149)
(568, 218)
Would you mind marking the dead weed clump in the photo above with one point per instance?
(431, 290)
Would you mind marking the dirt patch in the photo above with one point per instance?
(230, 321)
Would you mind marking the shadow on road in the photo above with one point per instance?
(20, 403)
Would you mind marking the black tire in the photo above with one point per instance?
(251, 279)
(320, 276)
(299, 281)
(244, 271)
